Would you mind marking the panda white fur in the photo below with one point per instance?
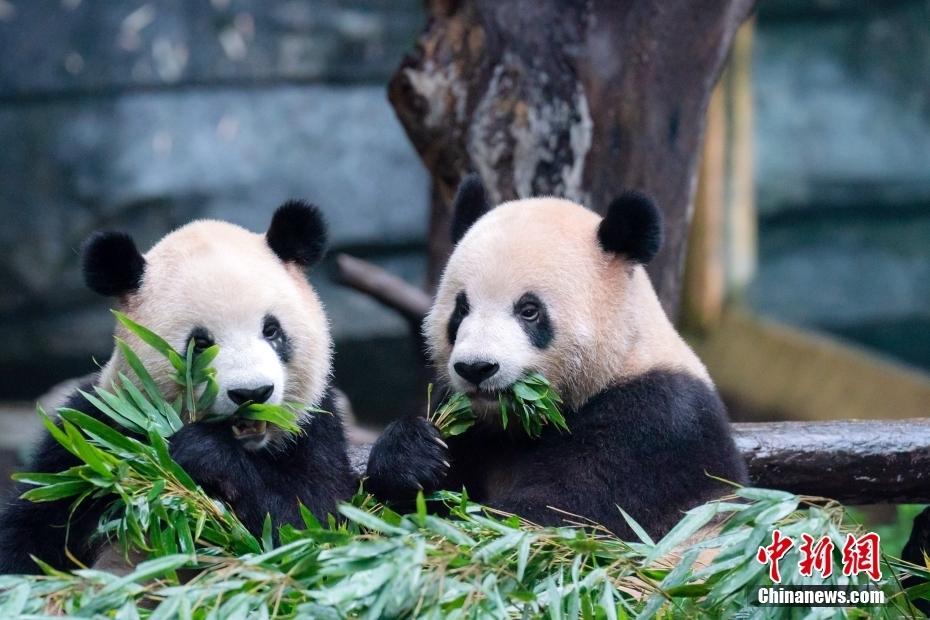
(212, 282)
(546, 285)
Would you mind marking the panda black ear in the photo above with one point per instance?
(632, 228)
(469, 204)
(112, 264)
(298, 233)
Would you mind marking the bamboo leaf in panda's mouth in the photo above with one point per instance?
(282, 416)
(532, 400)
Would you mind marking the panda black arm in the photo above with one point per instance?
(315, 470)
(42, 528)
(917, 545)
(408, 457)
(648, 445)
(312, 469)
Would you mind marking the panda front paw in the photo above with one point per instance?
(207, 453)
(410, 456)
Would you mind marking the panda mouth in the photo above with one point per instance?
(246, 430)
(484, 396)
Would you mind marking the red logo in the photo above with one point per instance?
(773, 553)
(816, 556)
(859, 555)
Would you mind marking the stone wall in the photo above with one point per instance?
(146, 115)
(842, 96)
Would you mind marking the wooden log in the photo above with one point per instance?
(855, 462)
(384, 287)
(569, 98)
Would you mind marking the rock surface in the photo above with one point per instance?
(842, 94)
(87, 48)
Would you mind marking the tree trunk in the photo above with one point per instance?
(567, 98)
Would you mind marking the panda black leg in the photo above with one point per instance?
(46, 529)
(407, 458)
(915, 548)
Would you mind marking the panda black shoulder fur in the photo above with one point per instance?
(212, 282)
(546, 285)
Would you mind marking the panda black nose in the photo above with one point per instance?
(476, 372)
(255, 395)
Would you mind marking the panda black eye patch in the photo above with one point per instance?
(458, 315)
(531, 313)
(201, 338)
(276, 337)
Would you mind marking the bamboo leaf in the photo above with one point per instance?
(267, 540)
(189, 384)
(368, 520)
(148, 570)
(208, 396)
(15, 600)
(202, 362)
(86, 452)
(139, 400)
(148, 383)
(637, 528)
(145, 334)
(104, 408)
(310, 521)
(274, 414)
(525, 392)
(52, 492)
(694, 520)
(104, 434)
(44, 479)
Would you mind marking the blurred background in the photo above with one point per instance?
(808, 279)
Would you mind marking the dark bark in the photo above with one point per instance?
(855, 462)
(386, 288)
(568, 98)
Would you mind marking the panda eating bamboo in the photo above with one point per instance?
(212, 282)
(544, 285)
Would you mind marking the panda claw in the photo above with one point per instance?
(441, 442)
(446, 463)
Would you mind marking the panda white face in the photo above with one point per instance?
(252, 366)
(495, 341)
(211, 282)
(521, 293)
(531, 288)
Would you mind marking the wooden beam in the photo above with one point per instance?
(407, 300)
(786, 372)
(855, 462)
(703, 285)
(740, 218)
(721, 253)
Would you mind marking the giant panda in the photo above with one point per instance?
(212, 282)
(546, 285)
